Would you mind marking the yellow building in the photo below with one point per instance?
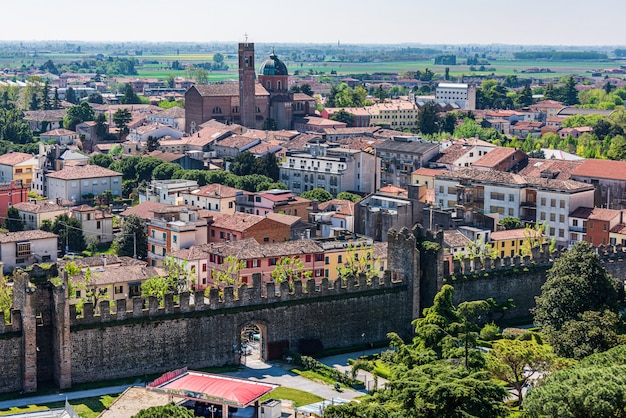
(352, 252)
(510, 243)
(17, 166)
(396, 113)
(110, 278)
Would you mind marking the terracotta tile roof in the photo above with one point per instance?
(356, 131)
(548, 104)
(111, 260)
(455, 239)
(215, 190)
(392, 190)
(83, 172)
(59, 132)
(451, 154)
(227, 89)
(315, 121)
(38, 207)
(560, 169)
(283, 219)
(41, 115)
(605, 169)
(343, 207)
(364, 143)
(25, 236)
(598, 214)
(144, 210)
(495, 157)
(235, 141)
(427, 171)
(278, 196)
(501, 177)
(512, 234)
(265, 147)
(299, 142)
(237, 221)
(249, 248)
(14, 158)
(119, 274)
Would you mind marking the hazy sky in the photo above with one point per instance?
(546, 22)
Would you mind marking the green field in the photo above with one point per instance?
(162, 68)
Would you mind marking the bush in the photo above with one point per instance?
(490, 332)
(512, 333)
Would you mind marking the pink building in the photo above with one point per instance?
(256, 258)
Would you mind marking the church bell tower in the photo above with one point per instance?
(247, 104)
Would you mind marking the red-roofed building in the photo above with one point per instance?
(609, 179)
(212, 392)
(239, 226)
(502, 159)
(593, 225)
(97, 225)
(213, 197)
(278, 201)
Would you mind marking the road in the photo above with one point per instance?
(272, 372)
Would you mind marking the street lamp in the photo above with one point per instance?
(363, 336)
(212, 409)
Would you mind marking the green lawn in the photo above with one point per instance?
(298, 397)
(86, 408)
(313, 376)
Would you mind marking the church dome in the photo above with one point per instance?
(273, 66)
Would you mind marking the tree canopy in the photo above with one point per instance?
(166, 411)
(592, 388)
(318, 194)
(13, 222)
(576, 284)
(134, 228)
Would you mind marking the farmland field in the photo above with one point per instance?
(155, 65)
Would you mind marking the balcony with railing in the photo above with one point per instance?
(577, 229)
(157, 241)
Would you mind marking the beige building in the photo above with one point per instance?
(34, 213)
(397, 114)
(213, 197)
(97, 225)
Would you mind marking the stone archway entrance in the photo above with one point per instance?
(253, 342)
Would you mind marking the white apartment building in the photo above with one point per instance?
(527, 198)
(460, 93)
(329, 167)
(79, 182)
(166, 191)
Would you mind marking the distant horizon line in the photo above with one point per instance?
(3, 41)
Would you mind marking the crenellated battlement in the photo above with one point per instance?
(231, 298)
(541, 256)
(14, 324)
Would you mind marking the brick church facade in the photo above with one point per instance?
(251, 102)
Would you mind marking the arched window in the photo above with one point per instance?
(258, 109)
(217, 110)
(280, 85)
(268, 85)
